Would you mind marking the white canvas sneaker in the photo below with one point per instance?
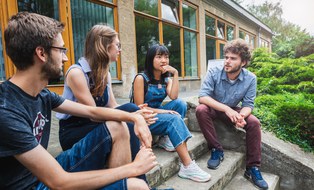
(165, 143)
(193, 172)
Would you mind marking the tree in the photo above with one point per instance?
(288, 38)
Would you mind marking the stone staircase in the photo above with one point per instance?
(229, 175)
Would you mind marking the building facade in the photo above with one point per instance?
(195, 32)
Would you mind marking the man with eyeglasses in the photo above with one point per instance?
(35, 45)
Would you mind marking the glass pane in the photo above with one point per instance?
(146, 35)
(189, 16)
(252, 41)
(84, 15)
(172, 41)
(2, 71)
(221, 30)
(48, 8)
(241, 35)
(210, 49)
(247, 38)
(190, 54)
(221, 46)
(230, 33)
(169, 10)
(210, 25)
(149, 7)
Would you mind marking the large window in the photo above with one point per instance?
(218, 32)
(85, 14)
(248, 37)
(178, 32)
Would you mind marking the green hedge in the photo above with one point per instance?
(285, 96)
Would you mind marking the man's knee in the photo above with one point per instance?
(137, 184)
(118, 130)
(201, 109)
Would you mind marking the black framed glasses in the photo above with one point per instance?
(62, 49)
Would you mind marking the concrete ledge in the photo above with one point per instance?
(168, 162)
(220, 177)
(294, 166)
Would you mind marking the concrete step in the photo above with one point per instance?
(240, 181)
(168, 162)
(220, 177)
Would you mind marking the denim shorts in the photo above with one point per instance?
(90, 153)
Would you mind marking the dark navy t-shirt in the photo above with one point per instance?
(24, 123)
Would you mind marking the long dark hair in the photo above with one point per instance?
(156, 49)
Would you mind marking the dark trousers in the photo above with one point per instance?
(206, 115)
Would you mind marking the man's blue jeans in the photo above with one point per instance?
(90, 153)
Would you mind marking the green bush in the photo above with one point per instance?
(289, 116)
(285, 96)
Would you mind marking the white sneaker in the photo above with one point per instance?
(193, 172)
(165, 143)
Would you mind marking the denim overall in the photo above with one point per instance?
(167, 124)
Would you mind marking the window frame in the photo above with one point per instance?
(161, 21)
(10, 8)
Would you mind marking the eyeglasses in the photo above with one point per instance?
(118, 46)
(62, 49)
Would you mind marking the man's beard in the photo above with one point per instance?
(51, 72)
(234, 70)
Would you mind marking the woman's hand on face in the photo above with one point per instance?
(170, 69)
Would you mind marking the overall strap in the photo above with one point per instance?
(146, 82)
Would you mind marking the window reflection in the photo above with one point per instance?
(172, 41)
(210, 48)
(210, 25)
(146, 35)
(149, 7)
(84, 15)
(189, 16)
(48, 8)
(169, 9)
(190, 54)
(230, 33)
(221, 30)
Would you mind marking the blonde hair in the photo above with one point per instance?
(97, 44)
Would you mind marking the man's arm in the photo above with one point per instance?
(209, 101)
(109, 114)
(48, 170)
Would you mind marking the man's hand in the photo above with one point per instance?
(240, 122)
(233, 115)
(149, 115)
(141, 129)
(144, 161)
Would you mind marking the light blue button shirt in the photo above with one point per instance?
(219, 87)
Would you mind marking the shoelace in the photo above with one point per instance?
(257, 173)
(215, 154)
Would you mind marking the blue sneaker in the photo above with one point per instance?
(217, 156)
(254, 175)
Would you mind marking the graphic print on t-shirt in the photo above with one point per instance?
(38, 126)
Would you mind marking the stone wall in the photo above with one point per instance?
(294, 166)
